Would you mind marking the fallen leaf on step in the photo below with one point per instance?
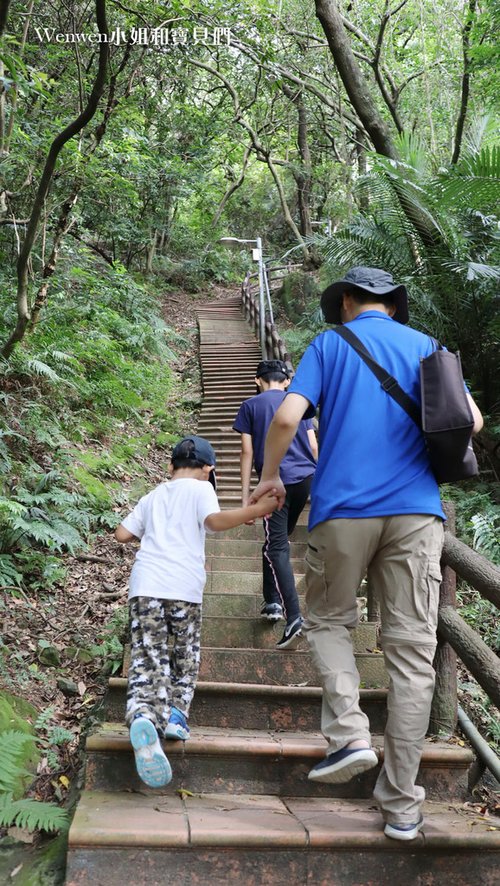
(184, 793)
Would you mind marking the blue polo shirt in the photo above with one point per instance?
(254, 417)
(372, 457)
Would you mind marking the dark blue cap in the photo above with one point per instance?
(198, 449)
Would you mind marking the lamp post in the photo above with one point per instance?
(257, 256)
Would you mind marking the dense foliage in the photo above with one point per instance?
(125, 159)
(90, 390)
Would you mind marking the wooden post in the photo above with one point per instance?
(372, 604)
(444, 712)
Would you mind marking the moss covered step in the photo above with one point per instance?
(246, 564)
(254, 706)
(237, 606)
(259, 762)
(241, 582)
(256, 533)
(277, 666)
(232, 548)
(256, 633)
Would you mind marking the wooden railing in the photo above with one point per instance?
(275, 347)
(455, 637)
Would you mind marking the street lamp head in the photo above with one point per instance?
(231, 241)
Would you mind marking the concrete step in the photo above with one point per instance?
(241, 549)
(244, 632)
(242, 583)
(255, 532)
(222, 839)
(233, 500)
(234, 385)
(255, 706)
(226, 443)
(219, 563)
(281, 667)
(258, 762)
(236, 606)
(219, 430)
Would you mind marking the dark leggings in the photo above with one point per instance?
(279, 583)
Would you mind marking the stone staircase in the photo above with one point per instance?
(240, 807)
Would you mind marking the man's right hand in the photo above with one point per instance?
(266, 504)
(265, 486)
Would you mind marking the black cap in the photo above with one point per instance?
(371, 280)
(198, 449)
(267, 366)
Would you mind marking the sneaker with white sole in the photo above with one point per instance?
(291, 635)
(177, 727)
(343, 765)
(403, 831)
(151, 763)
(271, 611)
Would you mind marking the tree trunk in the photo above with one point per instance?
(4, 12)
(465, 81)
(477, 571)
(23, 311)
(50, 266)
(151, 252)
(303, 176)
(354, 83)
(475, 654)
(444, 711)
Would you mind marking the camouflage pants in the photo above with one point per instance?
(159, 676)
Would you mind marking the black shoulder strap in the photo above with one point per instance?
(388, 382)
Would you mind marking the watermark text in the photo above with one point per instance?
(142, 36)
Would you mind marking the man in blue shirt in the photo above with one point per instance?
(375, 509)
(296, 471)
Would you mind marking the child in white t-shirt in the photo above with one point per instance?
(165, 594)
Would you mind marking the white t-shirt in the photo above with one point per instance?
(170, 521)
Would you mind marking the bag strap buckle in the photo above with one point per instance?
(389, 383)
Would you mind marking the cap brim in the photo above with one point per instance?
(331, 301)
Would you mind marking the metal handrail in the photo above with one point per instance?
(272, 345)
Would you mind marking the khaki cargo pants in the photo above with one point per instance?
(401, 556)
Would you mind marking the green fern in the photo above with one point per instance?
(12, 745)
(31, 814)
(487, 535)
(9, 575)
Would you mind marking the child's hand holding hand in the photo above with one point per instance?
(266, 504)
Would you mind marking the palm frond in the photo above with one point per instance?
(475, 181)
(481, 132)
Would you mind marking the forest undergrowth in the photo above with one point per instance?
(92, 404)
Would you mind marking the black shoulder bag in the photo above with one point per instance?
(445, 417)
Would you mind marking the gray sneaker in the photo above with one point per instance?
(271, 611)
